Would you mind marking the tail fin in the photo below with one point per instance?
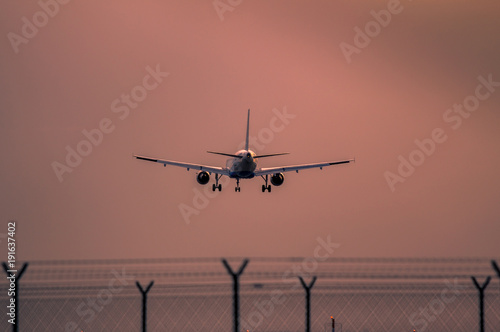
(248, 130)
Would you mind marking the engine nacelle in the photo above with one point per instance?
(277, 179)
(203, 177)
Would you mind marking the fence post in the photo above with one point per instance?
(144, 302)
(481, 300)
(236, 290)
(308, 301)
(15, 327)
(496, 268)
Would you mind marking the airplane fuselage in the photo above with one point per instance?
(244, 167)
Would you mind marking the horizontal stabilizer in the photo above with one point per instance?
(225, 154)
(272, 155)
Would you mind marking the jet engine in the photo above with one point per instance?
(203, 177)
(277, 179)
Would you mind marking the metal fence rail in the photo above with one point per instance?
(196, 294)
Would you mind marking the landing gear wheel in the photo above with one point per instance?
(216, 185)
(237, 189)
(265, 186)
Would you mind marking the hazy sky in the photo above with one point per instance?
(368, 94)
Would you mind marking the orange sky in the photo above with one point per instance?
(263, 55)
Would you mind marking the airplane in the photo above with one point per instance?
(243, 165)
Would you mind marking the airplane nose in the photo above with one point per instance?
(249, 155)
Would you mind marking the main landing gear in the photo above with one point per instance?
(216, 185)
(265, 186)
(237, 188)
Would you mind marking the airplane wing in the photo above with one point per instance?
(297, 168)
(188, 166)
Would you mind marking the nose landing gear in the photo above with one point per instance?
(237, 188)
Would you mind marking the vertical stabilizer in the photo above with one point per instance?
(248, 130)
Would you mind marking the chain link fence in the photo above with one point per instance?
(365, 295)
